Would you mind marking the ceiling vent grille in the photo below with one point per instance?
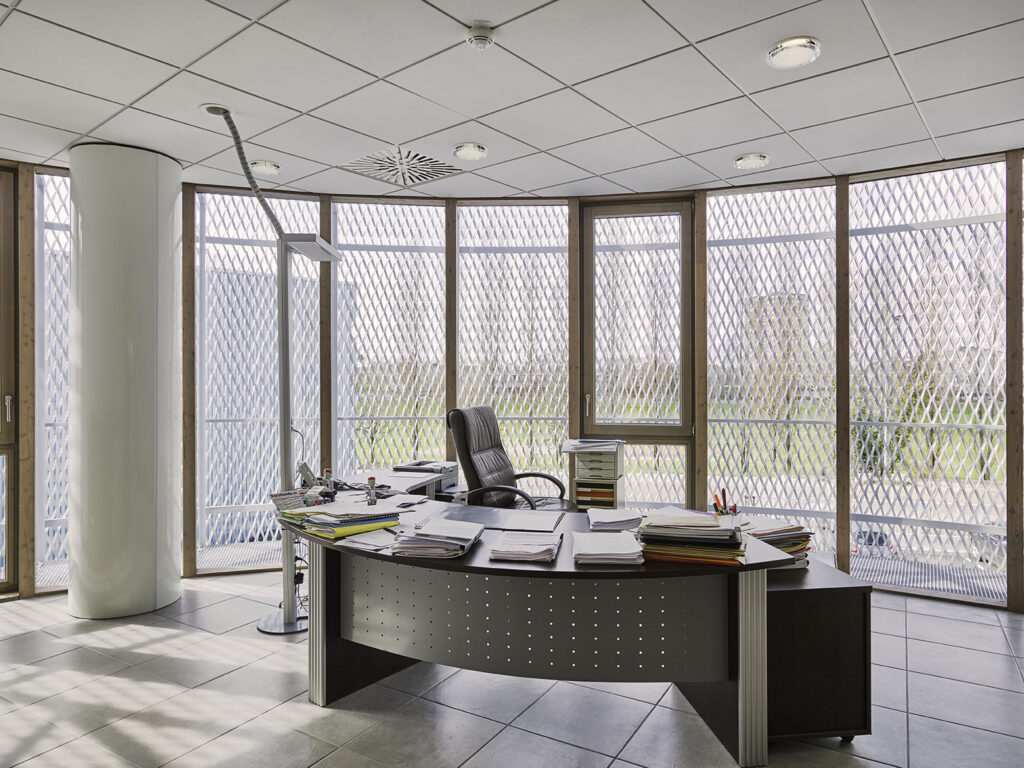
(400, 166)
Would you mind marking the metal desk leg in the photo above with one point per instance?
(285, 621)
(753, 668)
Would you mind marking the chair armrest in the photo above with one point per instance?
(546, 476)
(476, 492)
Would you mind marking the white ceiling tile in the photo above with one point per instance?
(214, 177)
(657, 177)
(996, 138)
(782, 151)
(803, 171)
(378, 37)
(914, 153)
(337, 181)
(499, 146)
(555, 119)
(534, 171)
(714, 126)
(31, 138)
(900, 125)
(614, 151)
(475, 82)
(977, 108)
(844, 28)
(264, 62)
(490, 12)
(177, 32)
(578, 39)
(698, 19)
(179, 99)
(388, 112)
(674, 82)
(292, 167)
(966, 62)
(467, 185)
(406, 193)
(833, 96)
(51, 104)
(318, 140)
(20, 157)
(182, 142)
(707, 185)
(583, 188)
(913, 23)
(251, 9)
(57, 55)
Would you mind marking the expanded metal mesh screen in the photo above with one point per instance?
(771, 354)
(928, 366)
(237, 373)
(513, 328)
(53, 288)
(389, 334)
(3, 517)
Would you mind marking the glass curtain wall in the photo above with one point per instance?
(771, 304)
(513, 329)
(389, 335)
(928, 367)
(237, 374)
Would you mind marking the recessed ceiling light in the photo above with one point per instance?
(469, 150)
(265, 168)
(750, 161)
(794, 52)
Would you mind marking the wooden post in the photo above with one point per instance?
(698, 497)
(451, 318)
(26, 495)
(1014, 385)
(575, 348)
(843, 373)
(327, 330)
(188, 379)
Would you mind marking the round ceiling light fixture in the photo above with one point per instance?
(794, 52)
(265, 168)
(469, 150)
(750, 161)
(480, 36)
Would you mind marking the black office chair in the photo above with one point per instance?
(490, 477)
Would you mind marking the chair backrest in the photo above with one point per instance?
(481, 454)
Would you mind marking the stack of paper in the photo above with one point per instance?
(335, 525)
(791, 538)
(438, 538)
(611, 548)
(686, 536)
(591, 446)
(532, 547)
(614, 519)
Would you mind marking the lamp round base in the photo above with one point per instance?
(274, 624)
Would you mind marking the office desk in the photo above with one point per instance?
(372, 614)
(425, 483)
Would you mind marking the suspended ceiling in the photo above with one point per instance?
(576, 97)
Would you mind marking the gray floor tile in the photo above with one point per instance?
(980, 637)
(137, 643)
(6, 706)
(265, 683)
(796, 754)
(250, 633)
(888, 621)
(993, 669)
(1007, 619)
(30, 683)
(512, 748)
(30, 647)
(77, 754)
(498, 697)
(937, 744)
(203, 661)
(887, 742)
(649, 692)
(933, 607)
(225, 616)
(192, 600)
(418, 678)
(672, 739)
(888, 650)
(888, 687)
(343, 720)
(252, 745)
(673, 699)
(20, 616)
(75, 630)
(1015, 636)
(23, 736)
(595, 720)
(977, 706)
(888, 600)
(423, 734)
(345, 758)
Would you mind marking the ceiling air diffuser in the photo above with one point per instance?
(400, 166)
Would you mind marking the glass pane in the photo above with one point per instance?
(771, 355)
(513, 321)
(237, 374)
(3, 516)
(654, 474)
(637, 319)
(389, 335)
(928, 362)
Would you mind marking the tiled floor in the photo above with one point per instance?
(196, 685)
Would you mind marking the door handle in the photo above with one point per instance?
(7, 406)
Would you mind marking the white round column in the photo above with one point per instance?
(124, 526)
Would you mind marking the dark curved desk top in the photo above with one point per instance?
(759, 556)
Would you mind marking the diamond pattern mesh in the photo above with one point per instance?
(53, 267)
(637, 316)
(389, 334)
(237, 370)
(513, 325)
(771, 354)
(928, 360)
(3, 517)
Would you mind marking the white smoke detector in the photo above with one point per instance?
(480, 37)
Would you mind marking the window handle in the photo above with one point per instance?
(7, 406)
(586, 406)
